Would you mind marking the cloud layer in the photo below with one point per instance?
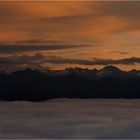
(65, 118)
(15, 62)
(68, 28)
(95, 61)
(40, 58)
(12, 48)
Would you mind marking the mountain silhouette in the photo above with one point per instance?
(35, 85)
(111, 71)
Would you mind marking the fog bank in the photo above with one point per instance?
(71, 118)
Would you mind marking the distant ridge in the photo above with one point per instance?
(39, 85)
(107, 71)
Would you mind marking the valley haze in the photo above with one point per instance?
(71, 119)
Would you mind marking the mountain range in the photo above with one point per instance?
(108, 71)
(40, 85)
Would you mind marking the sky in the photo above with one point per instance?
(61, 34)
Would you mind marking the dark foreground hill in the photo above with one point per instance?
(33, 85)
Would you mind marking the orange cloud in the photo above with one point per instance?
(106, 26)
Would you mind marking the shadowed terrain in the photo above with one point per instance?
(34, 85)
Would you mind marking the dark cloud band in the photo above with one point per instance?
(95, 61)
(36, 47)
(39, 59)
